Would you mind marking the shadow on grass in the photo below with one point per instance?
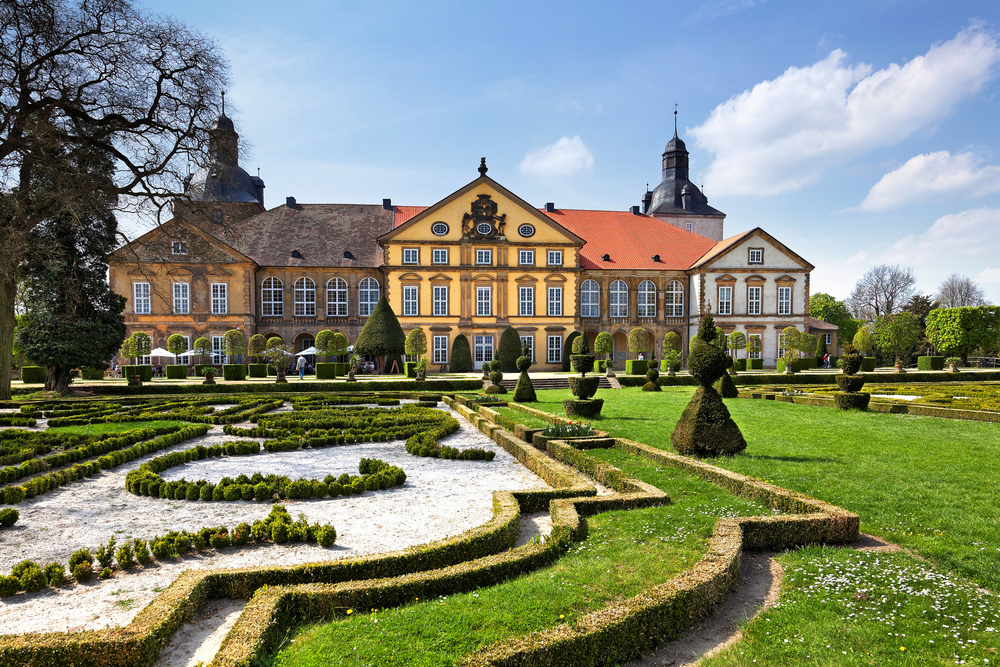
(791, 459)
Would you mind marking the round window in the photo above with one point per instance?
(439, 229)
(526, 230)
(484, 228)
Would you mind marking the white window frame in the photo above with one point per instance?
(220, 298)
(689, 226)
(411, 255)
(526, 257)
(554, 347)
(368, 288)
(411, 300)
(754, 299)
(484, 301)
(590, 299)
(185, 359)
(484, 257)
(725, 300)
(755, 256)
(305, 297)
(269, 305)
(526, 301)
(178, 248)
(141, 301)
(336, 297)
(555, 301)
(440, 297)
(217, 347)
(646, 299)
(784, 300)
(828, 338)
(439, 256)
(757, 355)
(440, 348)
(618, 299)
(555, 257)
(530, 341)
(673, 299)
(182, 298)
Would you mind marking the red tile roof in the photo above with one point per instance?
(631, 240)
(404, 213)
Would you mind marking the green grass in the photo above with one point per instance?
(923, 482)
(531, 421)
(843, 607)
(97, 429)
(625, 553)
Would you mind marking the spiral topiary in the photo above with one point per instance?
(524, 391)
(652, 375)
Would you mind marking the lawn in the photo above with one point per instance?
(625, 553)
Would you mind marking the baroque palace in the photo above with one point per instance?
(474, 263)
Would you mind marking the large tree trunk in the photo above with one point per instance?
(57, 379)
(8, 291)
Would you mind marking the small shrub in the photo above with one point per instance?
(80, 556)
(240, 535)
(848, 401)
(125, 556)
(33, 375)
(23, 567)
(9, 585)
(8, 517)
(192, 492)
(33, 579)
(56, 574)
(83, 572)
(220, 540)
(141, 550)
(105, 573)
(930, 363)
(205, 492)
(326, 536)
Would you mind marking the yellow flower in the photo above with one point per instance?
(562, 615)
(902, 648)
(350, 611)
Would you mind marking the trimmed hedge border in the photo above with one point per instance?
(444, 386)
(888, 408)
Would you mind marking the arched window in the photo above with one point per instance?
(673, 302)
(336, 297)
(590, 299)
(647, 299)
(271, 298)
(618, 299)
(368, 295)
(305, 298)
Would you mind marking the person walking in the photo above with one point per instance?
(301, 366)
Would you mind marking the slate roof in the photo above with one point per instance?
(319, 232)
(631, 240)
(667, 198)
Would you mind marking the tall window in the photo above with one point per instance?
(673, 299)
(217, 356)
(305, 298)
(271, 298)
(411, 255)
(753, 300)
(725, 301)
(530, 342)
(555, 350)
(689, 226)
(220, 298)
(756, 355)
(555, 302)
(526, 301)
(647, 299)
(440, 295)
(410, 300)
(368, 295)
(484, 257)
(484, 300)
(440, 349)
(784, 300)
(439, 255)
(555, 257)
(618, 299)
(336, 297)
(140, 298)
(828, 338)
(526, 257)
(182, 299)
(590, 299)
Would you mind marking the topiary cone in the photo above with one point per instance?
(706, 427)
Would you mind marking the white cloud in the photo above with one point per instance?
(566, 156)
(932, 176)
(989, 276)
(785, 133)
(951, 240)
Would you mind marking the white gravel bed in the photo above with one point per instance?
(902, 397)
(440, 498)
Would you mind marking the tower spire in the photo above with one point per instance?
(224, 110)
(675, 117)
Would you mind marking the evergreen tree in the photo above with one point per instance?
(74, 318)
(461, 355)
(509, 350)
(381, 336)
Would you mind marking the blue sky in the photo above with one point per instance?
(857, 133)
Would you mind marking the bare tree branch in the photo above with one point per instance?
(884, 290)
(957, 291)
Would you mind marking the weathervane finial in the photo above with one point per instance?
(223, 103)
(675, 119)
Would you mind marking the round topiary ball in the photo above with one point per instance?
(707, 364)
(523, 363)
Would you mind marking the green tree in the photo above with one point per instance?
(234, 343)
(142, 344)
(638, 340)
(322, 343)
(381, 336)
(176, 344)
(604, 343)
(827, 308)
(277, 356)
(863, 340)
(256, 346)
(338, 344)
(509, 350)
(754, 347)
(897, 334)
(203, 348)
(960, 331)
(461, 355)
(737, 341)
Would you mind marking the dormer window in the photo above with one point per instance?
(178, 248)
(756, 256)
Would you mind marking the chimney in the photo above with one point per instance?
(635, 210)
(290, 202)
(550, 207)
(386, 204)
(656, 258)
